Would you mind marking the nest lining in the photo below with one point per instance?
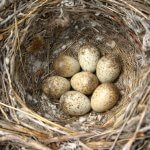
(55, 29)
(69, 41)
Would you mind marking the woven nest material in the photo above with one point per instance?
(33, 34)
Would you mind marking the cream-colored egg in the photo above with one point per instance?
(104, 97)
(108, 68)
(88, 57)
(84, 82)
(66, 66)
(75, 103)
(55, 86)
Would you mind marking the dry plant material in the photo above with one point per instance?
(27, 142)
(99, 144)
(69, 25)
(63, 21)
(36, 44)
(1, 37)
(53, 146)
(23, 130)
(37, 75)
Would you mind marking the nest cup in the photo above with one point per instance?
(56, 28)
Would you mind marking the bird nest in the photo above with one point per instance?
(38, 32)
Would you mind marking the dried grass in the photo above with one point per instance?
(23, 124)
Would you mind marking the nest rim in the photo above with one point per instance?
(125, 111)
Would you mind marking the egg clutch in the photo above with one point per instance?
(78, 88)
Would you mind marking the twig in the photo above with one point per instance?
(47, 126)
(129, 144)
(2, 3)
(144, 129)
(84, 146)
(18, 128)
(23, 140)
(11, 16)
(36, 116)
(65, 138)
(3, 112)
(135, 9)
(113, 145)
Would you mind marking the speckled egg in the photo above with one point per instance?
(88, 57)
(66, 66)
(104, 97)
(108, 68)
(55, 86)
(75, 103)
(84, 82)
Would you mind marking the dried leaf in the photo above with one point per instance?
(1, 37)
(109, 123)
(36, 44)
(140, 134)
(53, 146)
